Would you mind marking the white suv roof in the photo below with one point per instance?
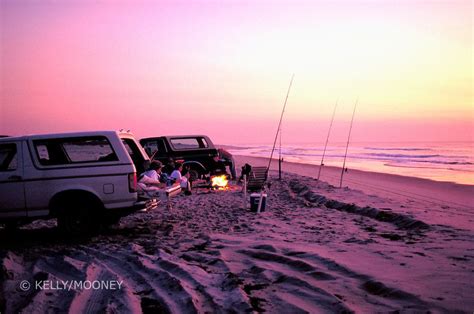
(67, 134)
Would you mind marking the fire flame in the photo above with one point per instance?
(220, 181)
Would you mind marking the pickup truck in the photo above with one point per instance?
(84, 179)
(197, 151)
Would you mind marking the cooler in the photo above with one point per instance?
(254, 199)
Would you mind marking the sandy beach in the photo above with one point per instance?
(381, 243)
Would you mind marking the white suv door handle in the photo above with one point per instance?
(14, 178)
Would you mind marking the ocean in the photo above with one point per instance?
(439, 161)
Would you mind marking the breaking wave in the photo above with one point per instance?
(398, 148)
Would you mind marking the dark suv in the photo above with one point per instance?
(197, 151)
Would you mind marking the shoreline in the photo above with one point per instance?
(338, 169)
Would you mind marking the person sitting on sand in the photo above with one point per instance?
(149, 182)
(181, 177)
(169, 166)
(166, 171)
(153, 172)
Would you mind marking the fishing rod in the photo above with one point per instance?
(274, 143)
(327, 140)
(279, 124)
(347, 145)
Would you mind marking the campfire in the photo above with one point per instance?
(219, 182)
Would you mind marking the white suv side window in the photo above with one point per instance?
(74, 150)
(8, 157)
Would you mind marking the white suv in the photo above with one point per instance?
(84, 179)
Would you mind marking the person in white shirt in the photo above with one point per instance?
(149, 181)
(178, 177)
(154, 171)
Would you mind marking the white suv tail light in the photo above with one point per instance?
(132, 182)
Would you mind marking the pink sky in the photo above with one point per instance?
(222, 68)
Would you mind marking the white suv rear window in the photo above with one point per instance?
(74, 150)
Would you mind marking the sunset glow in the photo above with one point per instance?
(177, 67)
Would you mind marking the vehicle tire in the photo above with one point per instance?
(79, 218)
(193, 175)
